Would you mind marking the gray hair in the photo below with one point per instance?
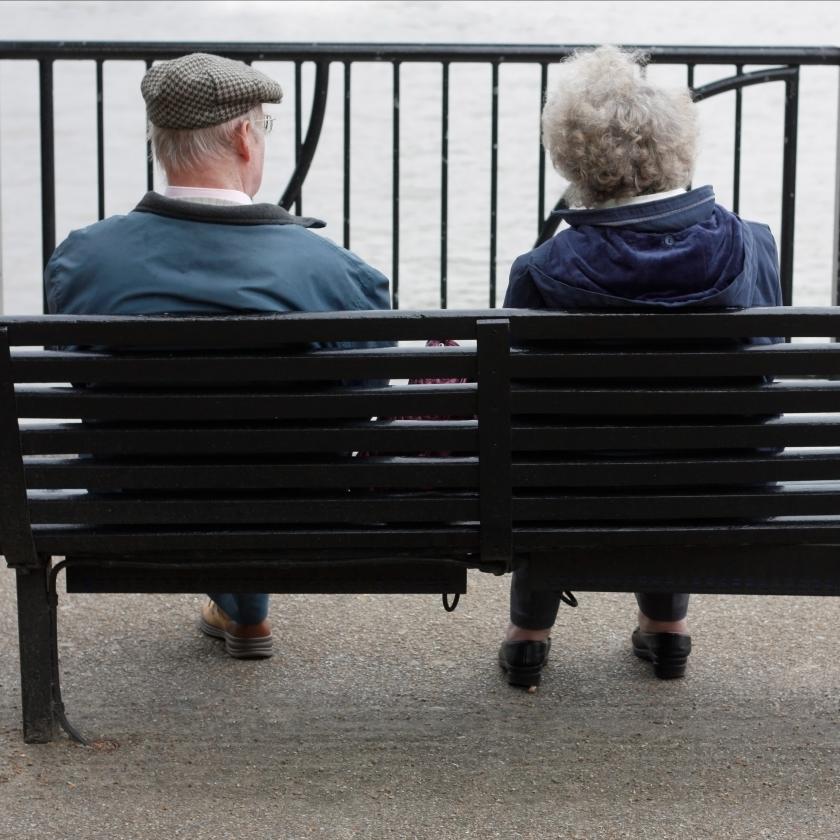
(612, 134)
(183, 148)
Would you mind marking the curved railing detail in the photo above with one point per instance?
(306, 151)
(742, 80)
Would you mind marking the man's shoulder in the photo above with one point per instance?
(101, 228)
(322, 250)
(98, 234)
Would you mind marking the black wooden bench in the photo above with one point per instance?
(617, 452)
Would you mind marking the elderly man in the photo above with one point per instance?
(204, 247)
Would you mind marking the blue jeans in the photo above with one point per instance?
(243, 608)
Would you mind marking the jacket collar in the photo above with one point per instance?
(675, 213)
(243, 214)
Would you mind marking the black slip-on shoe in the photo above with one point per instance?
(667, 652)
(523, 661)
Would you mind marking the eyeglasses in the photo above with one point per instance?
(266, 123)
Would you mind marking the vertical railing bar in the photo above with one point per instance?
(541, 187)
(346, 207)
(789, 187)
(736, 164)
(47, 125)
(1, 243)
(100, 142)
(320, 91)
(689, 72)
(835, 272)
(150, 168)
(444, 187)
(395, 192)
(494, 179)
(298, 120)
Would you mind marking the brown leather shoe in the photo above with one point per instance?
(242, 641)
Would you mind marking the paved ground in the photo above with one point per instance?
(384, 717)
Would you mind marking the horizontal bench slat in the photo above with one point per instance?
(392, 363)
(777, 398)
(240, 332)
(422, 473)
(776, 500)
(676, 472)
(445, 400)
(403, 575)
(407, 436)
(793, 430)
(109, 540)
(425, 541)
(806, 530)
(412, 436)
(420, 400)
(230, 332)
(766, 360)
(367, 473)
(125, 509)
(91, 509)
(404, 362)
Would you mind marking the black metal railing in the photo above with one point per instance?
(787, 63)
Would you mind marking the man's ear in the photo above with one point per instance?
(242, 140)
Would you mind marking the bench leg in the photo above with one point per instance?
(35, 635)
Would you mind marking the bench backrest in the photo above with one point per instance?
(573, 429)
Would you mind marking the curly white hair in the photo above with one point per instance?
(612, 134)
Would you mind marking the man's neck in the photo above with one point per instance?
(223, 178)
(214, 195)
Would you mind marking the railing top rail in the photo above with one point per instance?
(500, 53)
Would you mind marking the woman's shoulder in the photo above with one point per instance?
(546, 251)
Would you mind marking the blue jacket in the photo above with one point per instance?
(171, 257)
(673, 253)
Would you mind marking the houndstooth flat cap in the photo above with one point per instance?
(199, 90)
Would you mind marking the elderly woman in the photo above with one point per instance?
(638, 237)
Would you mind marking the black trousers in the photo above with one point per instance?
(533, 609)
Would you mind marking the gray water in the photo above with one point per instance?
(733, 23)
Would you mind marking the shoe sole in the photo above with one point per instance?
(664, 668)
(210, 629)
(521, 676)
(258, 648)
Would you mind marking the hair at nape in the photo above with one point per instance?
(179, 149)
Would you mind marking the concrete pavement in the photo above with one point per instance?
(384, 717)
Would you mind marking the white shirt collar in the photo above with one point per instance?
(638, 199)
(231, 196)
